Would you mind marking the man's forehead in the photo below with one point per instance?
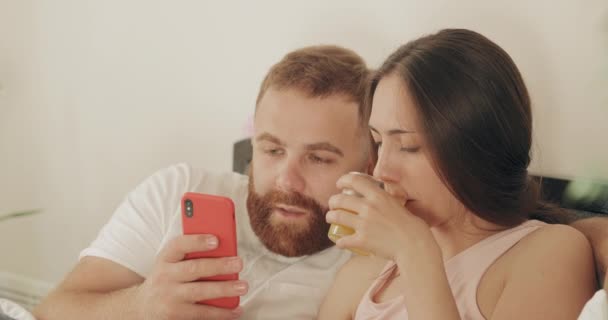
(289, 100)
(298, 119)
(300, 114)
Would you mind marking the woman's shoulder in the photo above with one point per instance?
(548, 245)
(552, 243)
(555, 253)
(554, 262)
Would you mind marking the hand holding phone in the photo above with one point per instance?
(172, 290)
(212, 215)
(196, 274)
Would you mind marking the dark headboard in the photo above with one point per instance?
(553, 189)
(241, 155)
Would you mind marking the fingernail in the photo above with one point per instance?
(240, 287)
(236, 313)
(212, 242)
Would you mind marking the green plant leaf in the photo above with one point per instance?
(19, 214)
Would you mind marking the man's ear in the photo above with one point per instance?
(371, 164)
(606, 281)
(372, 158)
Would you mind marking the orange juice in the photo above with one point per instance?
(337, 231)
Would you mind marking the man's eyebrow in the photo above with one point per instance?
(268, 137)
(392, 131)
(325, 146)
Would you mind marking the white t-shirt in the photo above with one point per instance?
(279, 287)
(596, 308)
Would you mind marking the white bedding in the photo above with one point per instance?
(596, 308)
(14, 310)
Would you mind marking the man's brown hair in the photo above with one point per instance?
(321, 71)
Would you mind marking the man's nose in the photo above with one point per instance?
(290, 177)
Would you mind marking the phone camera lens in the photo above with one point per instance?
(189, 208)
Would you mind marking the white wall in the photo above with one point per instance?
(99, 94)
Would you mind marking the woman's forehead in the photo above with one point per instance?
(392, 106)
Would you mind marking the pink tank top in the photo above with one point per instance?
(464, 272)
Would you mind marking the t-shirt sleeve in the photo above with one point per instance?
(134, 234)
(596, 308)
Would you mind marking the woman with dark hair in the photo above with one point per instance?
(459, 219)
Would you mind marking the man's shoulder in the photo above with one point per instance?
(216, 182)
(189, 178)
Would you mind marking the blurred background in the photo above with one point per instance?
(97, 95)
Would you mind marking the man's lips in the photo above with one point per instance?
(291, 211)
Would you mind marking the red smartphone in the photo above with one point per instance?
(209, 214)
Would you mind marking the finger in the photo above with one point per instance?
(351, 242)
(347, 202)
(206, 290)
(194, 269)
(363, 184)
(177, 248)
(199, 312)
(342, 217)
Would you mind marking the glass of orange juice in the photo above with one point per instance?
(337, 231)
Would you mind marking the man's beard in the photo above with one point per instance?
(290, 240)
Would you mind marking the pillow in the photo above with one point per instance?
(9, 310)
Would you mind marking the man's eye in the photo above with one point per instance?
(410, 149)
(316, 159)
(274, 151)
